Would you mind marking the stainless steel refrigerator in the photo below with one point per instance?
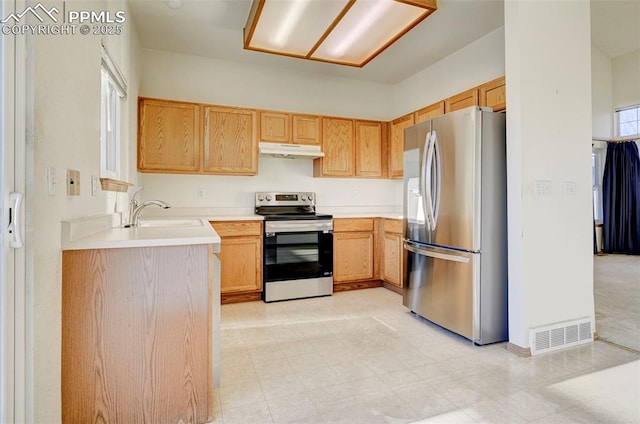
(455, 215)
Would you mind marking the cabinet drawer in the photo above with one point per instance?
(352, 224)
(237, 228)
(393, 226)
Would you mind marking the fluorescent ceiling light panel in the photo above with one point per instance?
(348, 32)
(293, 27)
(368, 27)
(357, 25)
(291, 19)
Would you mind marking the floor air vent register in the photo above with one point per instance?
(560, 335)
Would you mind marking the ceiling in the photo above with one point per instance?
(213, 28)
(615, 26)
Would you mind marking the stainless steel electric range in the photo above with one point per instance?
(298, 246)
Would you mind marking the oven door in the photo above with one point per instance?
(295, 250)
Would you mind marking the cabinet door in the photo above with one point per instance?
(494, 94)
(240, 264)
(275, 127)
(352, 257)
(392, 262)
(368, 149)
(338, 147)
(230, 141)
(396, 149)
(462, 100)
(429, 112)
(168, 136)
(306, 129)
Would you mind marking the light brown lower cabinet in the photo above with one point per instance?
(136, 335)
(240, 256)
(392, 252)
(353, 249)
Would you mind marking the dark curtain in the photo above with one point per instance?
(621, 199)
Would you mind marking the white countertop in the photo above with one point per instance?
(246, 214)
(368, 215)
(98, 233)
(105, 232)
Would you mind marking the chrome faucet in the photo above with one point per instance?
(135, 208)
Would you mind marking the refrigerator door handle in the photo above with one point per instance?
(428, 181)
(424, 252)
(423, 177)
(438, 177)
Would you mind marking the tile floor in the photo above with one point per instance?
(361, 357)
(616, 280)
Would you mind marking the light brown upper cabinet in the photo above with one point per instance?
(339, 148)
(306, 129)
(230, 141)
(429, 112)
(368, 149)
(494, 94)
(281, 127)
(462, 100)
(396, 148)
(169, 136)
(275, 127)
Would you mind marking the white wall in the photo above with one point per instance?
(475, 64)
(198, 79)
(549, 120)
(626, 79)
(66, 135)
(192, 78)
(601, 94)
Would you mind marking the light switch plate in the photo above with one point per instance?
(51, 180)
(542, 188)
(95, 185)
(73, 182)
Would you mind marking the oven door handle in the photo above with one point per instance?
(298, 228)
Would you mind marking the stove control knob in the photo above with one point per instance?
(269, 197)
(261, 198)
(310, 197)
(303, 197)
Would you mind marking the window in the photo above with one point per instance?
(597, 168)
(628, 121)
(113, 92)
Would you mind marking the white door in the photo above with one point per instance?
(12, 256)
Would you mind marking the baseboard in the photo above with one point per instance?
(524, 352)
(356, 285)
(392, 287)
(337, 287)
(239, 297)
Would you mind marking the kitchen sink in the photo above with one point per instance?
(158, 223)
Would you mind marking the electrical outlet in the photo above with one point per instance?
(355, 195)
(73, 182)
(569, 188)
(200, 192)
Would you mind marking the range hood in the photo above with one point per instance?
(290, 151)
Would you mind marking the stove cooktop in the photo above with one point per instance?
(288, 206)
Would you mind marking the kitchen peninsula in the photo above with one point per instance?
(140, 321)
